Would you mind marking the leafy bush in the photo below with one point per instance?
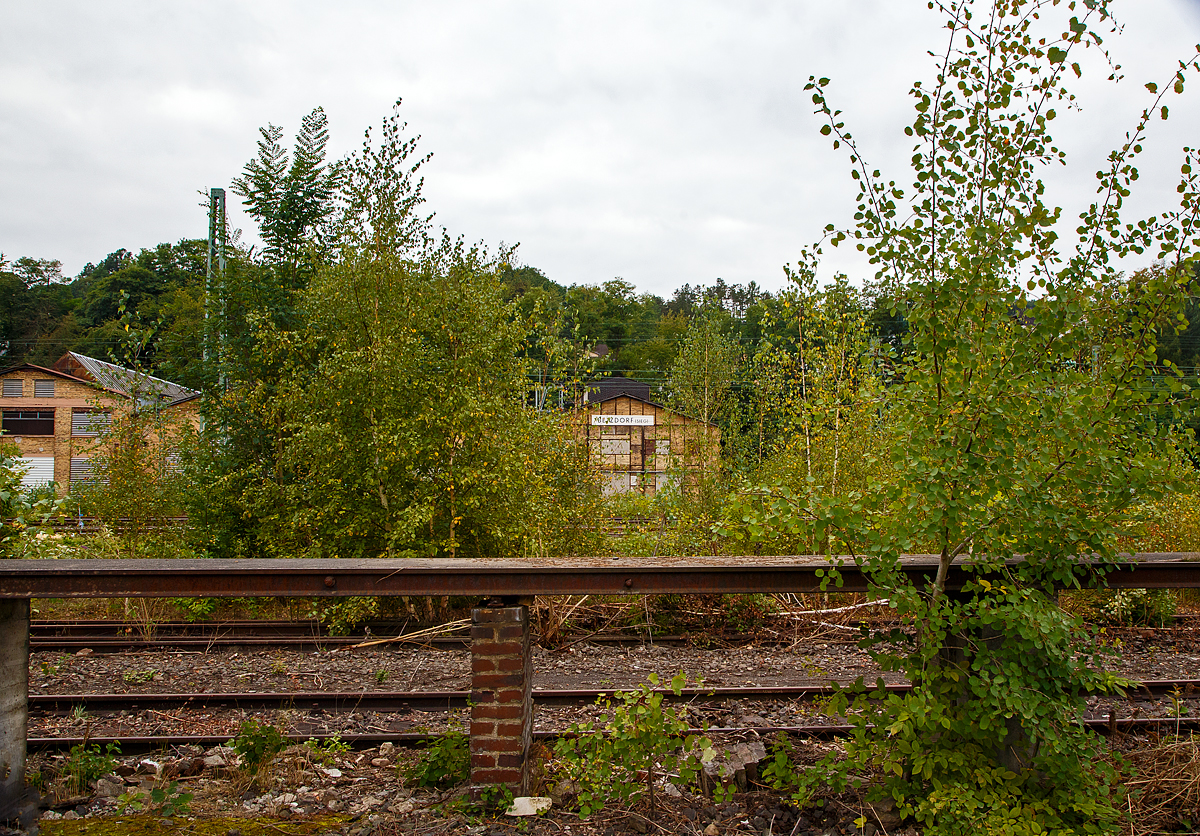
(1129, 607)
(445, 762)
(345, 615)
(165, 801)
(642, 741)
(85, 764)
(256, 744)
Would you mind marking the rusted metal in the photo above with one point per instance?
(503, 577)
(139, 745)
(440, 700)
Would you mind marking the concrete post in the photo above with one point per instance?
(502, 699)
(15, 801)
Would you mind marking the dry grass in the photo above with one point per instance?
(1164, 787)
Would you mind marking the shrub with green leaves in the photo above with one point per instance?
(165, 801)
(256, 744)
(85, 764)
(1149, 607)
(642, 741)
(445, 762)
(1033, 421)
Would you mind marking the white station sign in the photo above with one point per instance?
(623, 420)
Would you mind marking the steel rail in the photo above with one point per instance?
(514, 578)
(116, 636)
(142, 745)
(435, 700)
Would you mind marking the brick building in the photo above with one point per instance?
(55, 416)
(639, 445)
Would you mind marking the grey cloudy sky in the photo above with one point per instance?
(663, 142)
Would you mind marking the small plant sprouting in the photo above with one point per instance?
(445, 762)
(329, 751)
(166, 801)
(381, 676)
(256, 744)
(495, 799)
(86, 763)
(279, 667)
(137, 677)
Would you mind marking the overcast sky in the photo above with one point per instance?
(662, 142)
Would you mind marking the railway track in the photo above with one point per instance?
(105, 636)
(132, 745)
(120, 636)
(438, 700)
(113, 636)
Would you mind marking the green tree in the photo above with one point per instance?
(704, 371)
(816, 418)
(393, 420)
(135, 483)
(291, 197)
(1020, 425)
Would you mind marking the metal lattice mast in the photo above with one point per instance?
(214, 290)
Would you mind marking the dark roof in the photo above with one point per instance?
(608, 388)
(597, 401)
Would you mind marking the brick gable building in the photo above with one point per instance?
(56, 416)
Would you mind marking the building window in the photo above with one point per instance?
(663, 446)
(39, 470)
(14, 387)
(28, 422)
(43, 388)
(86, 422)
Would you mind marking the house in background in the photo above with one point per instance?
(638, 445)
(55, 415)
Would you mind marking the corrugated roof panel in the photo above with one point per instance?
(144, 388)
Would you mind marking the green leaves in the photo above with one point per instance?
(642, 740)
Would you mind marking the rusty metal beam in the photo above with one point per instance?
(492, 577)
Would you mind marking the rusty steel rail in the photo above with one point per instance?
(506, 577)
(440, 700)
(142, 745)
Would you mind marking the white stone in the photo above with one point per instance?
(214, 762)
(529, 805)
(332, 773)
(108, 789)
(385, 749)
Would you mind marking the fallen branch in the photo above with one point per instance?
(448, 627)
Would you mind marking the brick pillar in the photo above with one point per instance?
(502, 698)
